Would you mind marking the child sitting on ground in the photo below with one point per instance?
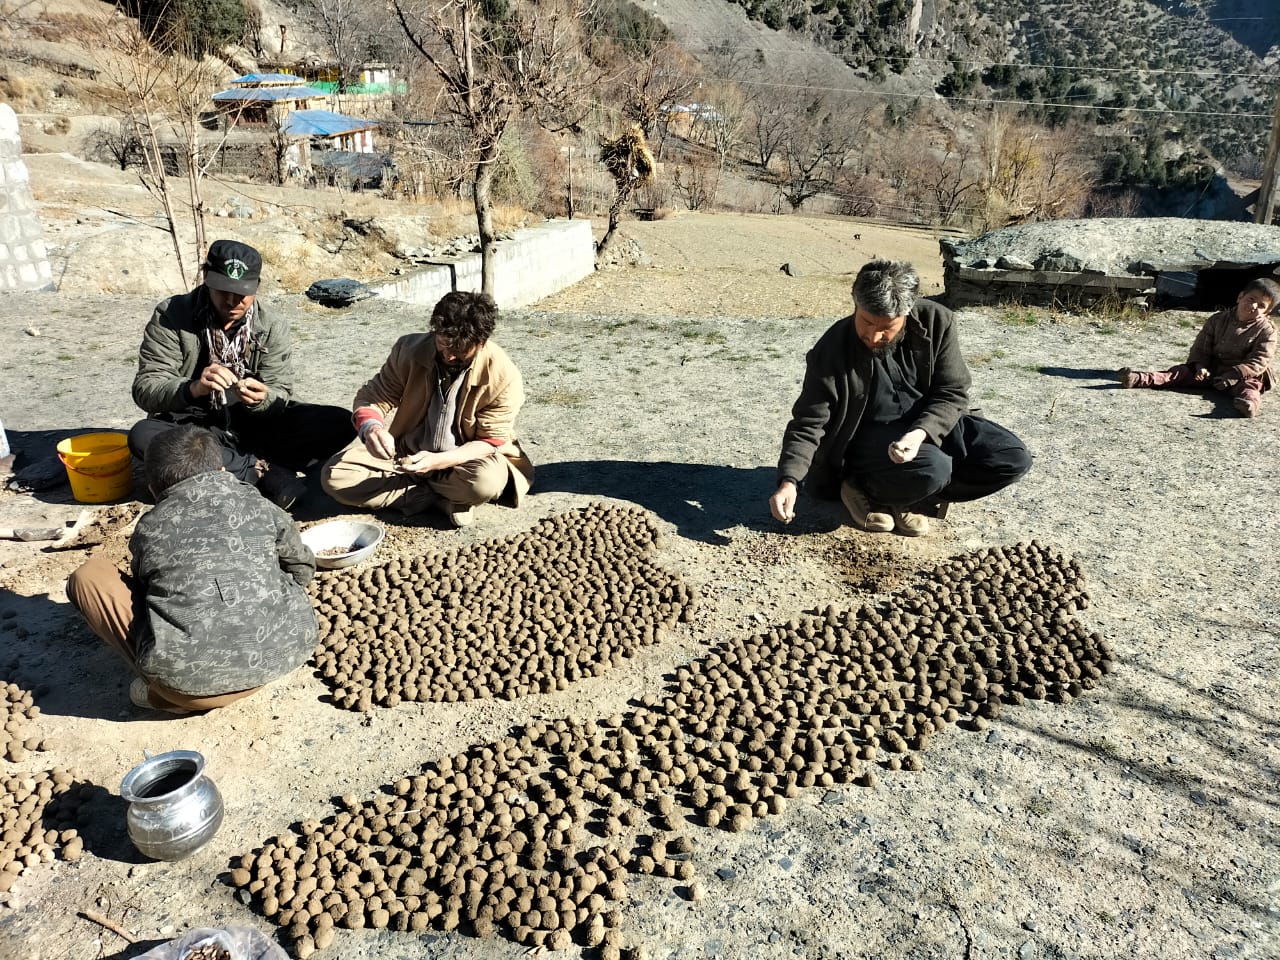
(215, 607)
(1233, 351)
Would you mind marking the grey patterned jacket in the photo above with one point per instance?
(220, 573)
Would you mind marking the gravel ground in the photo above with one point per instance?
(1138, 820)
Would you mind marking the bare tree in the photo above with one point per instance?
(817, 143)
(629, 162)
(277, 148)
(720, 119)
(665, 77)
(769, 109)
(495, 61)
(1031, 173)
(342, 23)
(696, 182)
(113, 141)
(162, 98)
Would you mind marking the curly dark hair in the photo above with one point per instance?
(464, 318)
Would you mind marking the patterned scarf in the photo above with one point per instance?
(235, 350)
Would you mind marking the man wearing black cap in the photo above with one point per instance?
(217, 359)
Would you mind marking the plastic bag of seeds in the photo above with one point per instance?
(228, 943)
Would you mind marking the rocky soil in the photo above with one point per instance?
(1139, 819)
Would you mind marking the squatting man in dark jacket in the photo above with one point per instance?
(218, 359)
(883, 416)
(214, 606)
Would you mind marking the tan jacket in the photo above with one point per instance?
(487, 404)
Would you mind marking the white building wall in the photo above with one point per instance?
(535, 263)
(24, 260)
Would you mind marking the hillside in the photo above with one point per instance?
(1203, 67)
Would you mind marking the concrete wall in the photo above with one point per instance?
(24, 262)
(534, 263)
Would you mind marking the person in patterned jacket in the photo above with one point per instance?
(215, 605)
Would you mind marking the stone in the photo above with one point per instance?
(338, 292)
(1059, 262)
(1011, 262)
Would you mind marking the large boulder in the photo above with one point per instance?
(1191, 262)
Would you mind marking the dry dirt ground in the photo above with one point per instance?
(1139, 820)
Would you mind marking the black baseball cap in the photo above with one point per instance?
(232, 266)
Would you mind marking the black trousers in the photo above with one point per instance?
(977, 458)
(293, 436)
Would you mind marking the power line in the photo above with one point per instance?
(1021, 64)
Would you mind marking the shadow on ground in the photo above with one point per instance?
(700, 499)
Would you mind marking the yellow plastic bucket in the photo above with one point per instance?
(98, 466)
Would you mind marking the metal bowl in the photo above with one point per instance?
(355, 539)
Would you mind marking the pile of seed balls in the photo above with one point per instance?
(534, 835)
(37, 811)
(504, 618)
(17, 710)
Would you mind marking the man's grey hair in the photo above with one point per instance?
(886, 288)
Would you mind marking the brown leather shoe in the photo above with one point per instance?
(910, 524)
(869, 517)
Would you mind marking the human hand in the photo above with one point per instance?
(1202, 374)
(783, 502)
(905, 448)
(1222, 382)
(424, 461)
(379, 442)
(213, 377)
(252, 392)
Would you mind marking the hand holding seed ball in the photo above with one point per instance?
(379, 442)
(905, 448)
(424, 461)
(783, 502)
(252, 392)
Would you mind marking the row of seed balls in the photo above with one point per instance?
(37, 811)
(17, 711)
(569, 598)
(534, 835)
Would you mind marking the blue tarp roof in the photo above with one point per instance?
(267, 78)
(269, 94)
(324, 123)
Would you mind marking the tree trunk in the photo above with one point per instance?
(484, 215)
(615, 214)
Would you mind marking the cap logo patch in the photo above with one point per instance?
(235, 269)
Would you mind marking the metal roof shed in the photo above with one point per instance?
(325, 123)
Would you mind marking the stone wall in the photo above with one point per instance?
(534, 263)
(1171, 261)
(24, 262)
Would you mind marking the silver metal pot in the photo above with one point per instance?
(174, 809)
